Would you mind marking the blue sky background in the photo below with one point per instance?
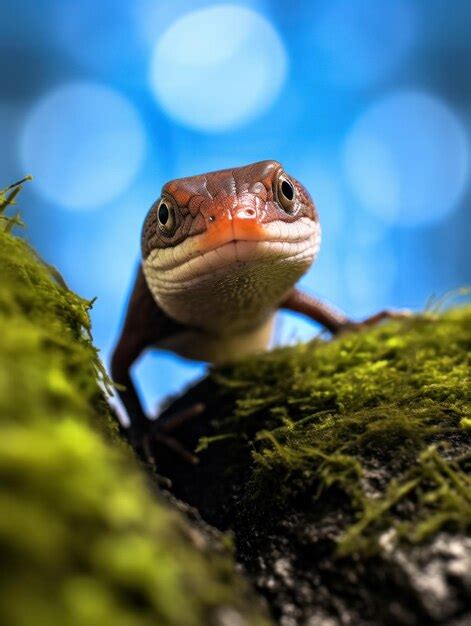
(367, 102)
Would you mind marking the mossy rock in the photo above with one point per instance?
(342, 467)
(84, 540)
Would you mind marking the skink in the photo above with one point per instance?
(221, 253)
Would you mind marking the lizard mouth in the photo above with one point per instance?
(201, 257)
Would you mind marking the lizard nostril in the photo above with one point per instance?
(211, 218)
(246, 213)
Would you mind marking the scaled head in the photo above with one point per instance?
(241, 202)
(225, 247)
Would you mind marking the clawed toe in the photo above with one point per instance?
(174, 445)
(179, 418)
(159, 433)
(146, 447)
(386, 314)
(377, 318)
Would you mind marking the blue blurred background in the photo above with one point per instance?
(367, 102)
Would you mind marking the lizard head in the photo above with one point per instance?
(206, 227)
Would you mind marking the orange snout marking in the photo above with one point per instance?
(232, 219)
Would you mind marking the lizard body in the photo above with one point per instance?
(221, 253)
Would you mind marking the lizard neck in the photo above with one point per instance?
(231, 300)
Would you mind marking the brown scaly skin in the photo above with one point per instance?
(221, 252)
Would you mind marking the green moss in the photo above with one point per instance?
(83, 540)
(375, 419)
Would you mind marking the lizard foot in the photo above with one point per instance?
(169, 442)
(159, 433)
(177, 419)
(376, 318)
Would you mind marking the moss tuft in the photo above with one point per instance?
(375, 418)
(82, 539)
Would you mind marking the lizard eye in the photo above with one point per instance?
(286, 193)
(166, 217)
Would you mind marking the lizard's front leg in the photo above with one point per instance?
(331, 319)
(144, 326)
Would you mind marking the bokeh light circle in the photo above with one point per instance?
(407, 159)
(84, 143)
(361, 42)
(217, 68)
